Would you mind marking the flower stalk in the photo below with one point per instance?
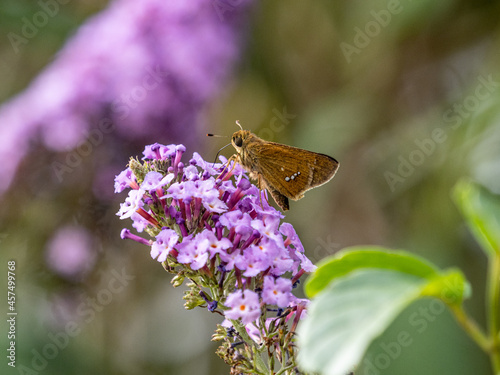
(493, 308)
(489, 342)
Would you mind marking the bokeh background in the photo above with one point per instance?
(405, 94)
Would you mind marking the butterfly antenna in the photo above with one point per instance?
(218, 152)
(238, 123)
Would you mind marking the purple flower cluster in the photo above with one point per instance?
(211, 225)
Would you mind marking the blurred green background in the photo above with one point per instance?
(405, 94)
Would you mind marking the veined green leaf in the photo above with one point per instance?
(355, 309)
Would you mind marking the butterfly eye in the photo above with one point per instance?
(238, 141)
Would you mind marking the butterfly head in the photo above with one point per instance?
(239, 138)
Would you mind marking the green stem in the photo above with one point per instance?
(471, 328)
(283, 370)
(493, 301)
(257, 358)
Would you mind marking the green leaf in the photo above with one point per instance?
(355, 258)
(450, 286)
(344, 319)
(481, 210)
(354, 309)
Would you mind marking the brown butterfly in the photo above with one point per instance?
(286, 172)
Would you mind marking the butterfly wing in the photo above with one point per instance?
(280, 199)
(291, 171)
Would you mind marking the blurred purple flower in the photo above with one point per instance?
(139, 68)
(70, 253)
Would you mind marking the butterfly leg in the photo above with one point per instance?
(226, 166)
(262, 187)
